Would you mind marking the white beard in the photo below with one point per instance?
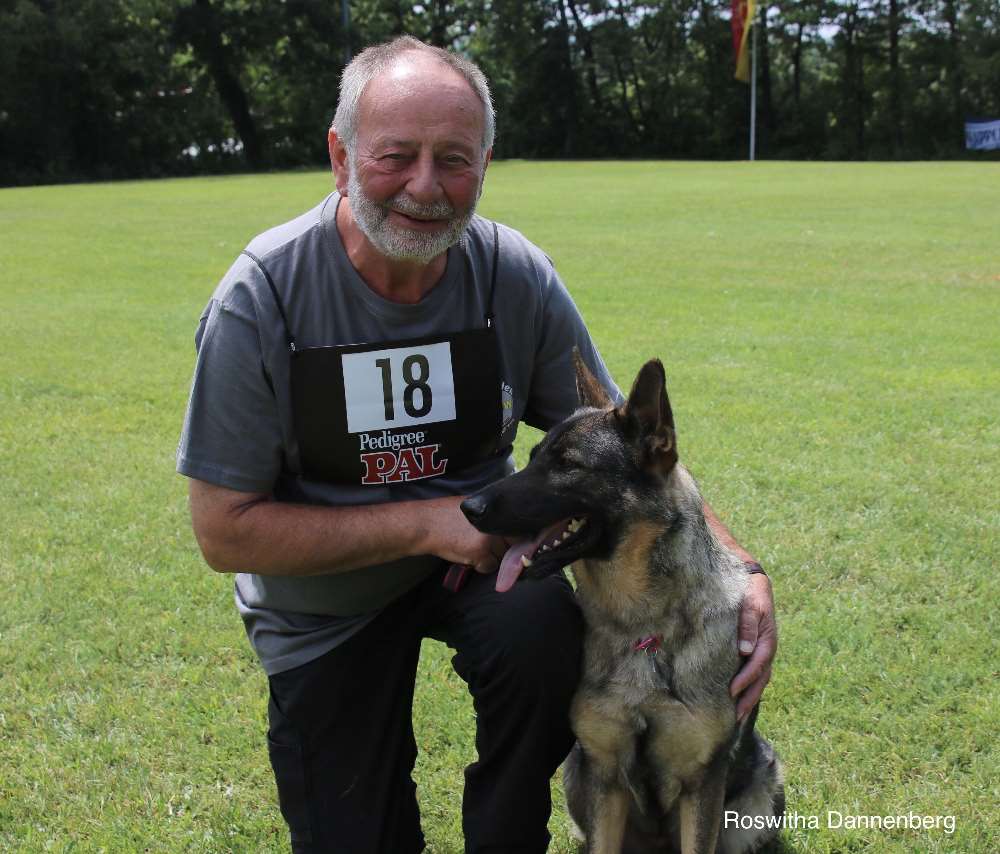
(399, 243)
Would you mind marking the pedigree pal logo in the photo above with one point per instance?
(398, 457)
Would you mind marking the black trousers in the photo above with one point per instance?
(341, 738)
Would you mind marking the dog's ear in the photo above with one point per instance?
(648, 412)
(588, 389)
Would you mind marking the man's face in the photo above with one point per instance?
(417, 169)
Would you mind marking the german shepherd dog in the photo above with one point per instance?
(659, 756)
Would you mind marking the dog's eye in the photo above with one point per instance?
(571, 463)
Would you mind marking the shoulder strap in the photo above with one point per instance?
(493, 275)
(277, 300)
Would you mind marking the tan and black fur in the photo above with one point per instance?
(660, 754)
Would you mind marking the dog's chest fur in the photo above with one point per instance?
(669, 709)
(693, 617)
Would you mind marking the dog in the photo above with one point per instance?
(660, 759)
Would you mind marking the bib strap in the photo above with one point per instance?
(289, 340)
(493, 275)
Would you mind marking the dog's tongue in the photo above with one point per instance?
(511, 566)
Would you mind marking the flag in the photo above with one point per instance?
(742, 21)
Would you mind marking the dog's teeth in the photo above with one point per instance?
(525, 561)
(574, 525)
(565, 535)
(544, 548)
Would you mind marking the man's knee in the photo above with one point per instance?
(545, 621)
(531, 640)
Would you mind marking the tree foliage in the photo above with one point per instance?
(129, 88)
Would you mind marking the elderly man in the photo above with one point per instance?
(360, 369)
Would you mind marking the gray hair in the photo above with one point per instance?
(373, 60)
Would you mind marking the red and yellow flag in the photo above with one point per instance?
(742, 21)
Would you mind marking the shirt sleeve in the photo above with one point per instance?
(553, 386)
(232, 433)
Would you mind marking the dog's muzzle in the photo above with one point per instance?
(474, 507)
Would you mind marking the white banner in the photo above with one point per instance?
(982, 136)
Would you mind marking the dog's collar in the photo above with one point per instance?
(650, 644)
(661, 669)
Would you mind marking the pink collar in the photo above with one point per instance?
(649, 644)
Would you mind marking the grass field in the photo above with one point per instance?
(831, 334)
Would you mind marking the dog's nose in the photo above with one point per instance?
(474, 507)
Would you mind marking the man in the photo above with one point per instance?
(360, 369)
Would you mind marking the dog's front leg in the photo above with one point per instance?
(701, 812)
(610, 813)
(608, 741)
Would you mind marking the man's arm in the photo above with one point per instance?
(758, 635)
(250, 532)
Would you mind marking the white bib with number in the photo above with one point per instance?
(398, 387)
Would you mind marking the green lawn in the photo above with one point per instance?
(831, 334)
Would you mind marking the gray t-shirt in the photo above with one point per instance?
(238, 430)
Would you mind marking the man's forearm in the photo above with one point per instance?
(275, 538)
(724, 536)
(249, 532)
(242, 532)
(758, 636)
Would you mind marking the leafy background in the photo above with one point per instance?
(99, 89)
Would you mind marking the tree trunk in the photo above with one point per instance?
(439, 26)
(56, 143)
(626, 107)
(712, 62)
(199, 26)
(955, 74)
(398, 18)
(859, 102)
(587, 45)
(854, 82)
(797, 70)
(569, 139)
(636, 84)
(895, 83)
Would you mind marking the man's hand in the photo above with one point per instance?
(758, 638)
(450, 536)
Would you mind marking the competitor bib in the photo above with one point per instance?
(386, 413)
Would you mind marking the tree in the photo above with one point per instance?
(124, 88)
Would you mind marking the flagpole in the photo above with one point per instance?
(753, 91)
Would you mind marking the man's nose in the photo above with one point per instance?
(423, 184)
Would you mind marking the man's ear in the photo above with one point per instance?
(487, 157)
(339, 161)
(648, 410)
(589, 391)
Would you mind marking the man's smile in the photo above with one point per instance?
(419, 223)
